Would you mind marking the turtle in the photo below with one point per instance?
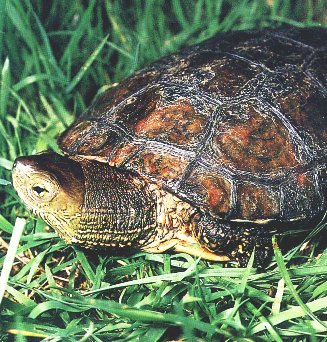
(209, 151)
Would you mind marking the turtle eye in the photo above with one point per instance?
(42, 188)
(39, 190)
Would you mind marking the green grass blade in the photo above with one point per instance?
(78, 33)
(3, 4)
(4, 88)
(86, 66)
(5, 225)
(296, 312)
(11, 253)
(50, 58)
(289, 284)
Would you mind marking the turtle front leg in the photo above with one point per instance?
(184, 243)
(237, 240)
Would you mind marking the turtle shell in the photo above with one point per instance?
(236, 126)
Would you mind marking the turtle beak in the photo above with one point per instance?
(20, 171)
(17, 163)
(22, 166)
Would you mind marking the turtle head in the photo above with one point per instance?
(87, 202)
(52, 186)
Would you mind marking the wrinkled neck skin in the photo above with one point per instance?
(119, 210)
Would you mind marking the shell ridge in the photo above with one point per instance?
(264, 178)
(244, 59)
(208, 132)
(306, 68)
(286, 38)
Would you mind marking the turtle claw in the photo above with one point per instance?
(198, 251)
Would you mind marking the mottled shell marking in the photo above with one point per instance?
(235, 126)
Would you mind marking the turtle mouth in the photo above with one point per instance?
(18, 181)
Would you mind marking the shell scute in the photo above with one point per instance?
(118, 93)
(178, 123)
(137, 106)
(314, 37)
(249, 139)
(257, 201)
(302, 196)
(281, 52)
(210, 190)
(120, 155)
(89, 137)
(230, 76)
(306, 110)
(165, 167)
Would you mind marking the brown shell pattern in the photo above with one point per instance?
(236, 126)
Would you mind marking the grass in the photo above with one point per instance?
(53, 60)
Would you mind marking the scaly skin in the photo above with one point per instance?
(96, 206)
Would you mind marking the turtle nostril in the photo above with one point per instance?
(18, 163)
